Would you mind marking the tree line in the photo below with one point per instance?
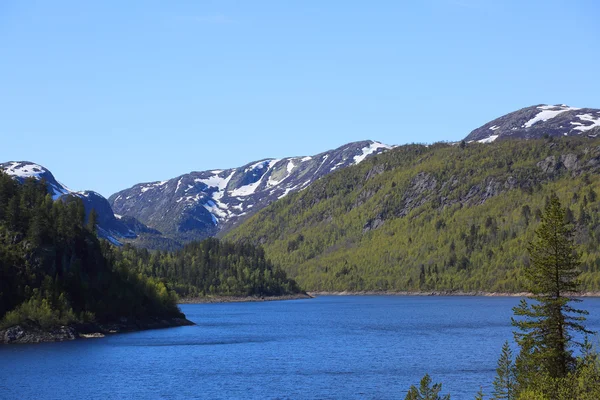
(212, 267)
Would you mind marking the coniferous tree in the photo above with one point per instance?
(505, 381)
(426, 391)
(547, 323)
(92, 220)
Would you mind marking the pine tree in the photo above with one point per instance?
(426, 391)
(545, 325)
(505, 381)
(92, 220)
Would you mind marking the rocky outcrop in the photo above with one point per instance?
(30, 332)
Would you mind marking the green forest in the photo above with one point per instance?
(55, 271)
(211, 267)
(441, 217)
(551, 362)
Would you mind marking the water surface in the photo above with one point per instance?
(344, 347)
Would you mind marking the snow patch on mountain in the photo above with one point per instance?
(489, 139)
(595, 122)
(153, 185)
(370, 149)
(548, 112)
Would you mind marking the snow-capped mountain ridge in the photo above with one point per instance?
(203, 203)
(539, 121)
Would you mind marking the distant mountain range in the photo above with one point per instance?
(202, 204)
(167, 214)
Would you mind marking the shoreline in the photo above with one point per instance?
(242, 299)
(439, 293)
(31, 333)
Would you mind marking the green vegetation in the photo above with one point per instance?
(438, 217)
(546, 368)
(426, 391)
(506, 381)
(212, 267)
(55, 271)
(546, 326)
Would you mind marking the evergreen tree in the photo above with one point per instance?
(426, 391)
(505, 381)
(545, 325)
(92, 220)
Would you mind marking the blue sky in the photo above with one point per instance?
(107, 94)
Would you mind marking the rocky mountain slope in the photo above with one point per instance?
(109, 227)
(202, 204)
(540, 121)
(439, 217)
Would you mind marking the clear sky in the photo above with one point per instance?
(107, 94)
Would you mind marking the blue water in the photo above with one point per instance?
(356, 347)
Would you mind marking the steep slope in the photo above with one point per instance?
(437, 217)
(109, 227)
(537, 122)
(202, 204)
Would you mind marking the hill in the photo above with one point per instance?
(439, 217)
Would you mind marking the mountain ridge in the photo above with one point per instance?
(200, 204)
(539, 121)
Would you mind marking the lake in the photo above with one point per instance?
(331, 347)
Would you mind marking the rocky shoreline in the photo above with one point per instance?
(245, 299)
(440, 293)
(31, 332)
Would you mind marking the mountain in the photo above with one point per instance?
(438, 217)
(109, 226)
(202, 204)
(540, 121)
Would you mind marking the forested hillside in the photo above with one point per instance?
(55, 271)
(212, 267)
(439, 217)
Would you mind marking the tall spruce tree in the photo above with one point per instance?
(547, 322)
(505, 381)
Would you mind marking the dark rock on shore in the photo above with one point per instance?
(31, 332)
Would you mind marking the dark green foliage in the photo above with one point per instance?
(547, 323)
(212, 267)
(426, 391)
(54, 271)
(92, 220)
(505, 381)
(466, 215)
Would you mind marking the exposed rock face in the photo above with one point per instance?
(539, 121)
(31, 332)
(22, 335)
(202, 204)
